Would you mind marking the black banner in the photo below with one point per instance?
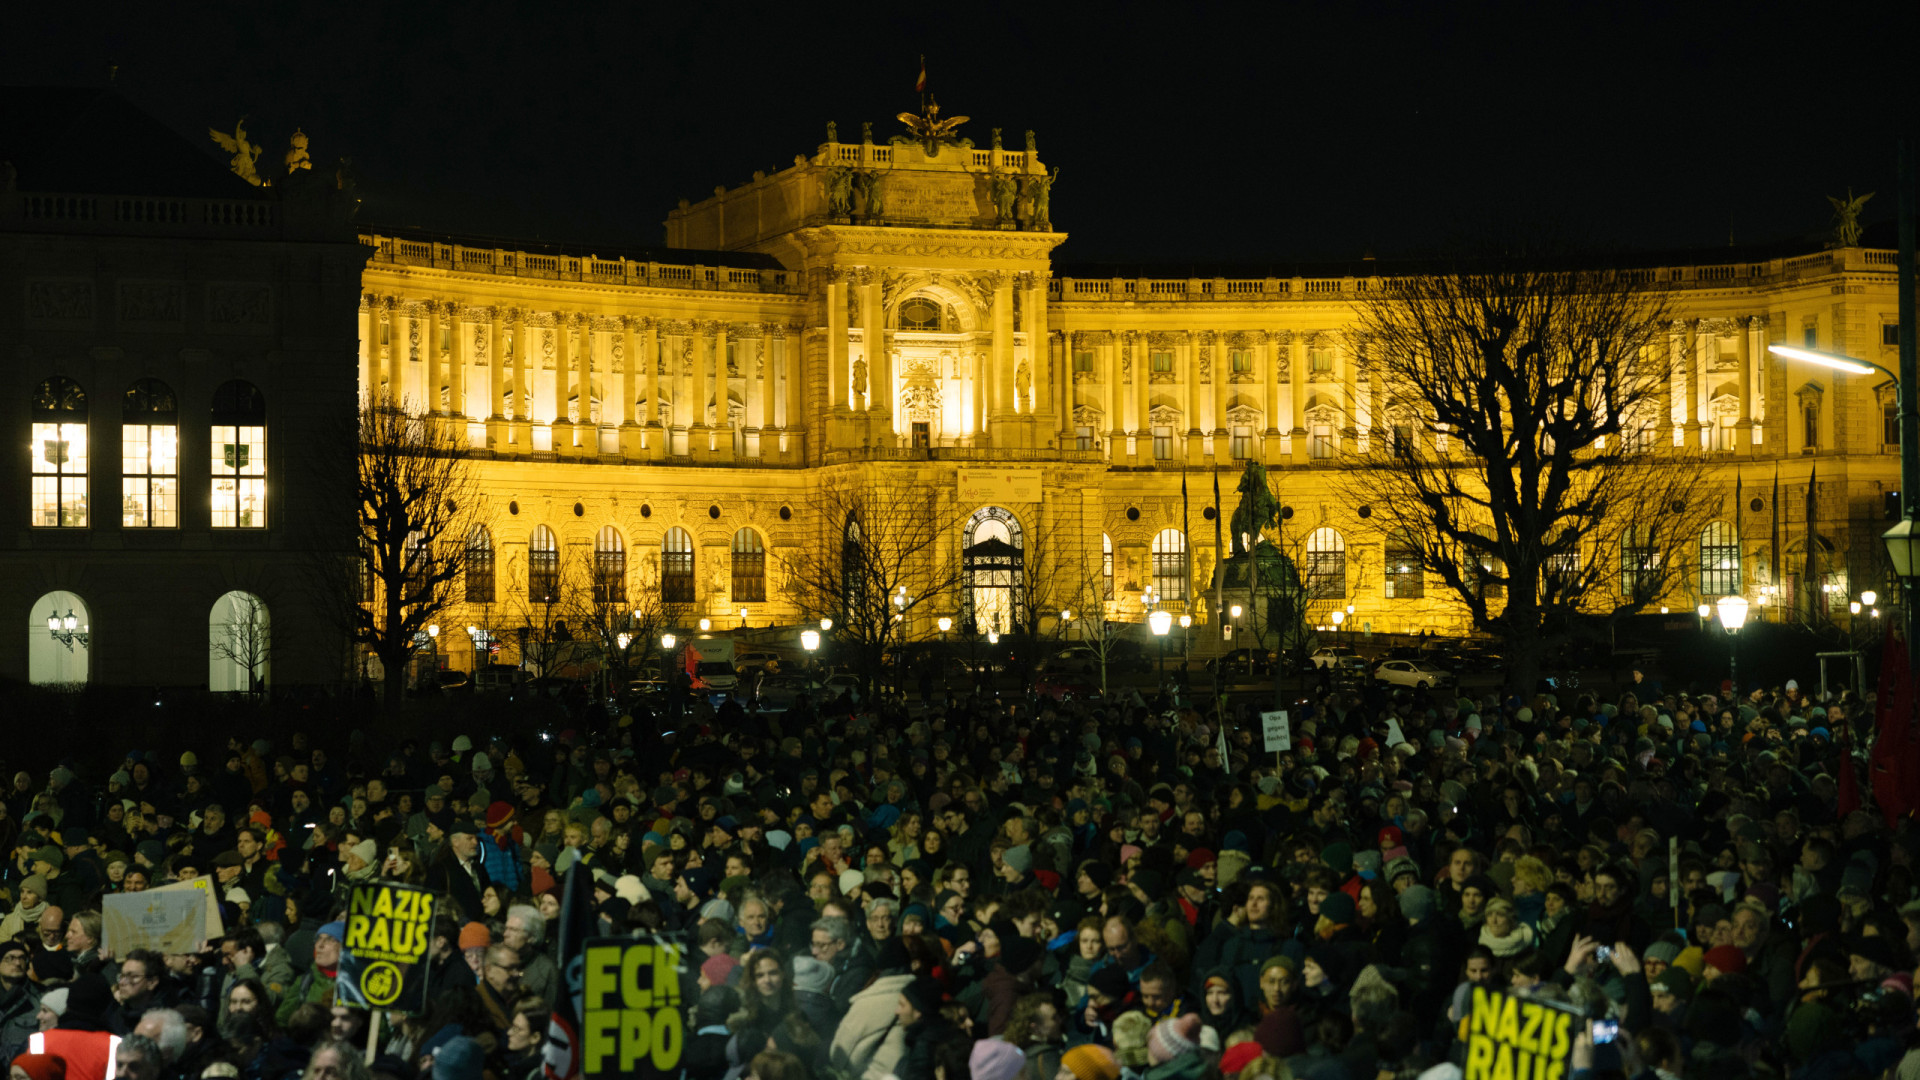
(384, 958)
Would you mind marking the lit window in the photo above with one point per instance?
(1810, 336)
(1163, 361)
(1319, 359)
(1083, 361)
(1106, 567)
(1719, 560)
(1320, 446)
(59, 455)
(1083, 438)
(1163, 444)
(149, 457)
(239, 457)
(1242, 360)
(609, 567)
(479, 569)
(1405, 578)
(1326, 565)
(920, 314)
(676, 567)
(1639, 565)
(749, 568)
(543, 567)
(1170, 565)
(1242, 443)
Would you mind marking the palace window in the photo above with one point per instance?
(609, 567)
(1162, 361)
(1810, 426)
(1405, 578)
(1402, 439)
(1083, 438)
(1810, 336)
(1106, 567)
(1241, 445)
(920, 314)
(1639, 565)
(239, 457)
(1326, 565)
(676, 567)
(749, 568)
(543, 567)
(1320, 359)
(1163, 444)
(1890, 422)
(479, 568)
(1170, 565)
(1320, 443)
(1890, 333)
(1083, 360)
(149, 457)
(1719, 560)
(59, 455)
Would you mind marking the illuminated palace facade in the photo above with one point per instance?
(665, 416)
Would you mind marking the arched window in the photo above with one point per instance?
(1719, 560)
(479, 569)
(240, 640)
(59, 640)
(749, 568)
(609, 567)
(853, 578)
(59, 455)
(1170, 564)
(239, 457)
(149, 457)
(543, 567)
(993, 569)
(676, 567)
(920, 314)
(1106, 567)
(1326, 565)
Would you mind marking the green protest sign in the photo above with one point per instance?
(635, 993)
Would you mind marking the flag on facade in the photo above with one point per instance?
(1773, 551)
(920, 84)
(1810, 571)
(561, 1059)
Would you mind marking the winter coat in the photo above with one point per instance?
(869, 1042)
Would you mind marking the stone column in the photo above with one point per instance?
(837, 376)
(1686, 382)
(562, 426)
(458, 360)
(648, 356)
(1743, 427)
(753, 366)
(522, 403)
(1141, 360)
(435, 366)
(400, 355)
(496, 381)
(1297, 383)
(702, 356)
(1000, 370)
(1113, 404)
(1222, 383)
(369, 323)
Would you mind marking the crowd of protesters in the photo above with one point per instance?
(986, 888)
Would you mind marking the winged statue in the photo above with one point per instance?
(244, 153)
(931, 130)
(1846, 218)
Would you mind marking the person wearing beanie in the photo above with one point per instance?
(1239, 1056)
(1337, 913)
(25, 915)
(38, 1067)
(1725, 960)
(706, 1052)
(1174, 1037)
(1671, 990)
(1091, 1062)
(1130, 1033)
(81, 1038)
(995, 1059)
(811, 981)
(1016, 863)
(922, 1026)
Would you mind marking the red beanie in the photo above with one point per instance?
(42, 1066)
(1728, 958)
(1239, 1056)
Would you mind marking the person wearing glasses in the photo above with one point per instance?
(19, 1004)
(136, 990)
(500, 985)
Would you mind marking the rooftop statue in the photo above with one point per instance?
(297, 156)
(931, 130)
(1846, 218)
(244, 153)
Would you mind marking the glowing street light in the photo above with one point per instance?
(945, 624)
(809, 639)
(706, 624)
(1733, 616)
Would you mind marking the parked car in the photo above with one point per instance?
(754, 661)
(717, 674)
(1415, 673)
(1244, 661)
(1077, 658)
(1334, 656)
(499, 679)
(1067, 685)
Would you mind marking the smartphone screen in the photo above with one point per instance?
(1604, 1031)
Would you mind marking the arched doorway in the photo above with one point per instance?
(59, 639)
(992, 566)
(239, 644)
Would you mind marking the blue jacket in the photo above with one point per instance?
(506, 863)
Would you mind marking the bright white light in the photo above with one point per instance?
(993, 637)
(624, 640)
(1161, 622)
(1234, 610)
(1703, 610)
(946, 624)
(666, 641)
(1663, 611)
(1339, 617)
(1733, 611)
(826, 624)
(1839, 363)
(1066, 615)
(433, 631)
(1186, 621)
(809, 639)
(1853, 607)
(1869, 597)
(706, 624)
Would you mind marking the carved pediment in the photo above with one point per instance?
(1085, 377)
(1809, 395)
(1160, 377)
(920, 404)
(1087, 416)
(1166, 339)
(1243, 416)
(1164, 416)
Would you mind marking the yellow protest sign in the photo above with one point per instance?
(383, 960)
(633, 995)
(1514, 1038)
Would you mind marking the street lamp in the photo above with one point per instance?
(1338, 618)
(1869, 597)
(809, 639)
(1733, 615)
(1160, 622)
(706, 624)
(1186, 644)
(63, 629)
(825, 623)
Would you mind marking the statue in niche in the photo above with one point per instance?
(1846, 218)
(867, 184)
(839, 184)
(860, 377)
(833, 131)
(1022, 380)
(1040, 196)
(1004, 192)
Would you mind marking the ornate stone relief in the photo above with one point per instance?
(920, 403)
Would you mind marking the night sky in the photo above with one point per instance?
(1211, 133)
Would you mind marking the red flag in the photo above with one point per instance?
(920, 84)
(561, 1058)
(1849, 798)
(691, 659)
(1896, 778)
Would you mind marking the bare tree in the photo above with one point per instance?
(414, 500)
(1512, 446)
(607, 622)
(873, 562)
(246, 640)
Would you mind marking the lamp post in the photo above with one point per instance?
(1186, 645)
(672, 679)
(1733, 615)
(66, 629)
(1160, 622)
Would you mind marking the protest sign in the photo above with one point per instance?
(1513, 1038)
(1279, 735)
(164, 920)
(383, 960)
(634, 995)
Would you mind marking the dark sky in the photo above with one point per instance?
(1183, 131)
